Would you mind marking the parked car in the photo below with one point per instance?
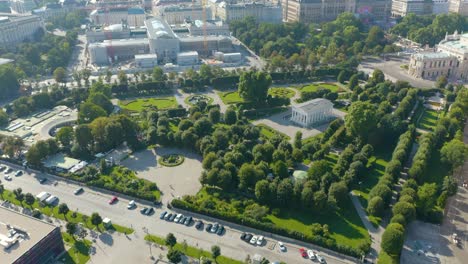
(260, 240)
(188, 221)
(281, 246)
(303, 252)
(248, 237)
(168, 217)
(208, 227)
(8, 170)
(199, 224)
(242, 237)
(131, 204)
(113, 200)
(150, 211)
(320, 259)
(171, 219)
(2, 167)
(144, 210)
(253, 240)
(214, 228)
(220, 230)
(19, 173)
(51, 200)
(42, 180)
(178, 217)
(7, 177)
(311, 254)
(78, 191)
(182, 220)
(162, 215)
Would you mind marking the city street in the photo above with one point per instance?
(92, 201)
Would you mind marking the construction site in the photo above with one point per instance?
(127, 35)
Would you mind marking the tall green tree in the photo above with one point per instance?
(361, 120)
(254, 85)
(60, 75)
(9, 84)
(454, 152)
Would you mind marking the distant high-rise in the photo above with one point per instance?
(459, 7)
(401, 8)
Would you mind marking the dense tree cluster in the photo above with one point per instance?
(42, 55)
(430, 29)
(294, 45)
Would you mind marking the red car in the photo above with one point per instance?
(113, 200)
(303, 252)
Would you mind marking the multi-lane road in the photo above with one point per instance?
(94, 201)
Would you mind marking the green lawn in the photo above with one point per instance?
(269, 132)
(53, 212)
(230, 97)
(193, 251)
(369, 181)
(281, 92)
(384, 258)
(138, 105)
(173, 126)
(315, 86)
(78, 252)
(345, 225)
(428, 120)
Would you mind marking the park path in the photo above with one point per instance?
(374, 232)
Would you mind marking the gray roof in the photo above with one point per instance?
(311, 105)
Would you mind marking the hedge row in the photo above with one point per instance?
(269, 227)
(380, 195)
(406, 105)
(143, 88)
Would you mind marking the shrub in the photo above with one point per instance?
(399, 219)
(393, 239)
(406, 209)
(375, 206)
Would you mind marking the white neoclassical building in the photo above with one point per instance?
(312, 112)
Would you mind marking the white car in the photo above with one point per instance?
(131, 204)
(253, 241)
(260, 240)
(7, 177)
(51, 200)
(178, 218)
(282, 247)
(320, 259)
(311, 254)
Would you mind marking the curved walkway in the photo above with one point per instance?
(375, 233)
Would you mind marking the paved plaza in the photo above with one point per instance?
(172, 181)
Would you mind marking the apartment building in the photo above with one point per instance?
(315, 11)
(459, 7)
(15, 29)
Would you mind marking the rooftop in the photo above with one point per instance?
(60, 161)
(158, 28)
(146, 56)
(19, 233)
(311, 105)
(432, 55)
(5, 61)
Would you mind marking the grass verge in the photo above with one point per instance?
(52, 211)
(315, 86)
(230, 97)
(281, 92)
(192, 251)
(269, 132)
(78, 252)
(428, 120)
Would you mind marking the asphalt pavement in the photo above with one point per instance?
(93, 201)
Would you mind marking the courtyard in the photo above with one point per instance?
(172, 181)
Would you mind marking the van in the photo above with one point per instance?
(51, 200)
(42, 196)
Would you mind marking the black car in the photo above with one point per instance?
(220, 230)
(168, 216)
(182, 220)
(42, 180)
(188, 221)
(144, 210)
(162, 215)
(208, 227)
(248, 237)
(78, 191)
(199, 224)
(150, 211)
(242, 237)
(171, 219)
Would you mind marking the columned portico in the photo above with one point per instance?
(312, 112)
